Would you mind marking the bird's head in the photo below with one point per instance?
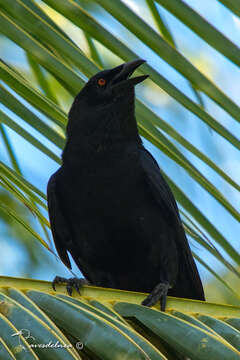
(104, 108)
(109, 86)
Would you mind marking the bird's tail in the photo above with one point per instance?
(188, 284)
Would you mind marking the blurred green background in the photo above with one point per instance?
(22, 254)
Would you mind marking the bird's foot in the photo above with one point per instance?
(159, 293)
(72, 283)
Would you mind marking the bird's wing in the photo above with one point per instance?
(58, 224)
(158, 186)
(165, 199)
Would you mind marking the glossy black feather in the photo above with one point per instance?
(59, 227)
(110, 206)
(187, 272)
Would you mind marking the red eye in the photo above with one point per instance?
(101, 82)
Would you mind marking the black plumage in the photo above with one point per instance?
(109, 204)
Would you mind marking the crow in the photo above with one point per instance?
(109, 205)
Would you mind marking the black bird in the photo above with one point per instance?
(109, 204)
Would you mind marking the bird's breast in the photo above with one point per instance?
(107, 185)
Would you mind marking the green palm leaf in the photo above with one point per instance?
(109, 324)
(30, 103)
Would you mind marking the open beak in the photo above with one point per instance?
(124, 71)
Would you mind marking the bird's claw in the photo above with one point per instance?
(159, 293)
(72, 283)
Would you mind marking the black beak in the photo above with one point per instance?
(124, 71)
